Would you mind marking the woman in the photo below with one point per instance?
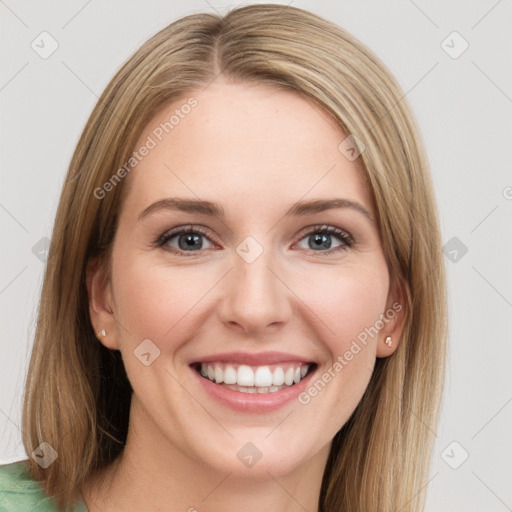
(244, 304)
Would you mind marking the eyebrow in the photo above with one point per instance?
(216, 210)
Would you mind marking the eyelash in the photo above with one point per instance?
(343, 236)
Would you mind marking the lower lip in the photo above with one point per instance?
(253, 402)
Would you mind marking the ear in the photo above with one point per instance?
(101, 308)
(393, 319)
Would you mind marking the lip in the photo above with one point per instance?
(259, 359)
(253, 402)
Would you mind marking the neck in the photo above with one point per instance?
(154, 474)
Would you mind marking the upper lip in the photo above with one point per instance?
(252, 359)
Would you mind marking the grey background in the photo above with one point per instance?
(463, 107)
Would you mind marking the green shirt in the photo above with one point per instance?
(19, 492)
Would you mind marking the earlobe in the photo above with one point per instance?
(100, 304)
(394, 320)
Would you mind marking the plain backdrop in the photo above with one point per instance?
(452, 60)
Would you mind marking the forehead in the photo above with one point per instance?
(243, 143)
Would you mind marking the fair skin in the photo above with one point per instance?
(254, 150)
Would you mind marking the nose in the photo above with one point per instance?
(256, 299)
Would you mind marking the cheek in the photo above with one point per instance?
(349, 302)
(153, 299)
(349, 307)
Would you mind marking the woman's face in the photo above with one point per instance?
(230, 258)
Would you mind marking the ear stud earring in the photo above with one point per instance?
(389, 341)
(103, 332)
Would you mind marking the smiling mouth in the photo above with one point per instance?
(254, 379)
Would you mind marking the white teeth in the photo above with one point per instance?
(260, 379)
(278, 376)
(229, 375)
(219, 375)
(245, 376)
(253, 389)
(288, 376)
(263, 377)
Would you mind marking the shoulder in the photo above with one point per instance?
(20, 492)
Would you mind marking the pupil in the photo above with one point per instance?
(190, 242)
(321, 241)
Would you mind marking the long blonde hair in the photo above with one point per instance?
(77, 395)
